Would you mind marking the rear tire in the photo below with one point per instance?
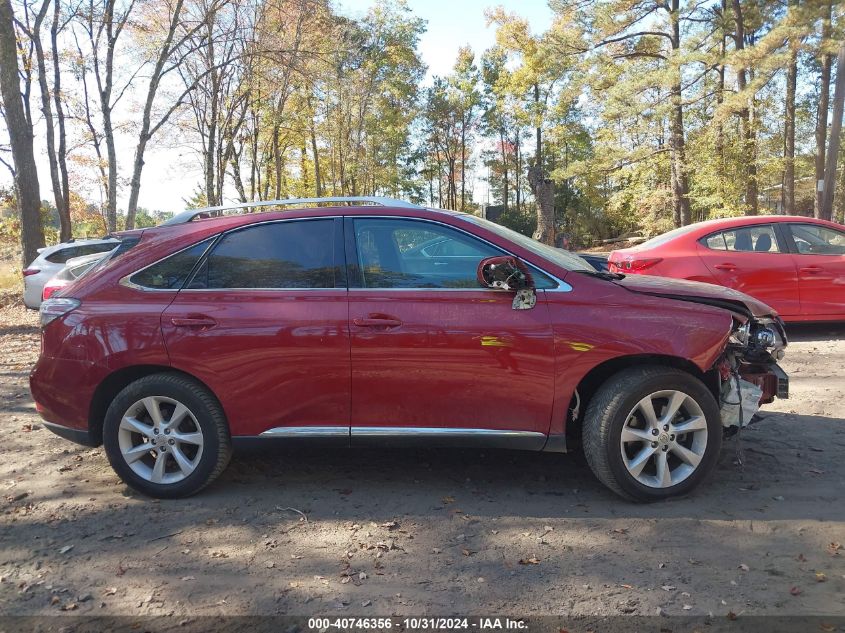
(651, 433)
(166, 436)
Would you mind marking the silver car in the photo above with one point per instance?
(51, 260)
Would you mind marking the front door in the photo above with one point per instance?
(819, 256)
(433, 354)
(264, 324)
(753, 260)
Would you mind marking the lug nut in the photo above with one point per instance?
(167, 431)
(665, 448)
(654, 444)
(671, 437)
(163, 448)
(155, 431)
(665, 427)
(654, 431)
(171, 442)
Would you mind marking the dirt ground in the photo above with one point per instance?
(429, 532)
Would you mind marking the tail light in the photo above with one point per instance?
(634, 265)
(52, 309)
(50, 289)
(30, 271)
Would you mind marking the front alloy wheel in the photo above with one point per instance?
(652, 432)
(664, 439)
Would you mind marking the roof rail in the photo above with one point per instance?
(192, 214)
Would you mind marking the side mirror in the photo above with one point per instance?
(509, 274)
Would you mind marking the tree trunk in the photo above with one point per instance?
(821, 116)
(746, 117)
(59, 196)
(20, 136)
(677, 144)
(60, 117)
(544, 193)
(720, 97)
(835, 132)
(788, 191)
(502, 141)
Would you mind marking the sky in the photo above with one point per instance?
(172, 174)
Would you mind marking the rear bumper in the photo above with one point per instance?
(74, 435)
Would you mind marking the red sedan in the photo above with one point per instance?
(792, 263)
(391, 324)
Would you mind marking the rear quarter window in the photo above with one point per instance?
(172, 272)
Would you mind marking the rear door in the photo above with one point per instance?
(433, 354)
(754, 259)
(819, 255)
(263, 322)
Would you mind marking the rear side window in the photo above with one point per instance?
(276, 255)
(172, 272)
(759, 238)
(61, 256)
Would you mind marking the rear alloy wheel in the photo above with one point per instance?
(652, 432)
(166, 436)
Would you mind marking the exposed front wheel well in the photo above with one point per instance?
(599, 374)
(113, 384)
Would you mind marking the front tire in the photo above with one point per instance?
(651, 433)
(166, 436)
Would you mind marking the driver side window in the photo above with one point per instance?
(812, 239)
(404, 253)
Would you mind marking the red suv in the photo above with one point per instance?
(391, 324)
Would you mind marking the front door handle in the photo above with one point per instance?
(197, 322)
(812, 269)
(377, 322)
(727, 267)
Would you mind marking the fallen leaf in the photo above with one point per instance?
(743, 567)
(627, 586)
(795, 591)
(824, 626)
(448, 500)
(801, 558)
(187, 578)
(110, 591)
(70, 606)
(467, 552)
(731, 615)
(833, 549)
(390, 525)
(820, 577)
(366, 603)
(667, 587)
(65, 549)
(687, 607)
(529, 561)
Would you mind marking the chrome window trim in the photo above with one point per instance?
(562, 286)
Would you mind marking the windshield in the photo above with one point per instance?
(559, 256)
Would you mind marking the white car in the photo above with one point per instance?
(73, 270)
(51, 260)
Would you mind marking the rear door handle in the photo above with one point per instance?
(728, 267)
(377, 322)
(812, 269)
(193, 322)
